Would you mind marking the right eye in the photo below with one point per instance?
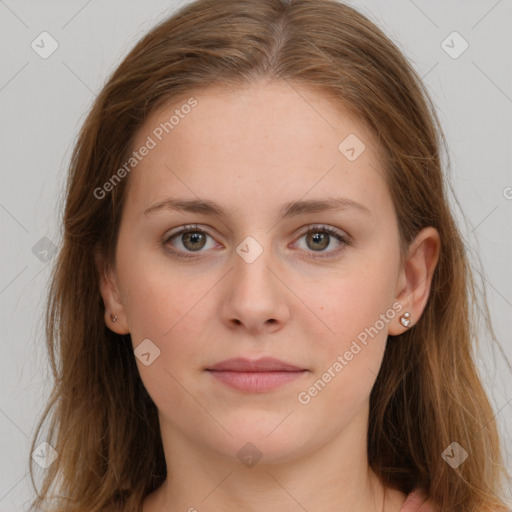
(191, 238)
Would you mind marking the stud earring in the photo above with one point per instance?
(405, 319)
(113, 318)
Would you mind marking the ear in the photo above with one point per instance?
(415, 277)
(110, 295)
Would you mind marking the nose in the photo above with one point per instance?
(254, 297)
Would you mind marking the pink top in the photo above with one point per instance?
(415, 502)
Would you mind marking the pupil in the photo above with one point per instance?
(194, 238)
(318, 237)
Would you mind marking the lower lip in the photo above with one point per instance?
(255, 381)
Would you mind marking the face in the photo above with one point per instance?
(271, 273)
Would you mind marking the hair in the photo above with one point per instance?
(428, 394)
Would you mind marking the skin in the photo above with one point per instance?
(251, 151)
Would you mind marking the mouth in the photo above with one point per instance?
(265, 374)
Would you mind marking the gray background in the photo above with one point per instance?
(44, 101)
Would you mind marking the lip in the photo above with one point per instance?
(256, 376)
(264, 364)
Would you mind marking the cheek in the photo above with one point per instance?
(171, 310)
(153, 297)
(157, 311)
(356, 310)
(174, 318)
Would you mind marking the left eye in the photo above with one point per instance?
(193, 239)
(319, 237)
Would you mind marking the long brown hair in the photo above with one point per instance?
(104, 426)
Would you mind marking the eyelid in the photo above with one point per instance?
(183, 229)
(325, 227)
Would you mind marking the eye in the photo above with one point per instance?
(191, 238)
(319, 237)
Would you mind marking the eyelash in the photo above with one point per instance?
(316, 228)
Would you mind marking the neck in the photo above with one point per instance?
(334, 477)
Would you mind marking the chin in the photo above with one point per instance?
(253, 445)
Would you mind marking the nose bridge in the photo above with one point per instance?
(252, 259)
(254, 295)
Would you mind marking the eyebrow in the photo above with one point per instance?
(288, 210)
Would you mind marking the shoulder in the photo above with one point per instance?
(416, 502)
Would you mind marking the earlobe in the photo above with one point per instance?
(115, 317)
(413, 287)
(116, 323)
(403, 322)
(405, 319)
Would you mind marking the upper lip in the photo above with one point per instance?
(264, 364)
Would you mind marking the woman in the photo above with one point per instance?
(262, 292)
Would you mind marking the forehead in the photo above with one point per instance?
(263, 141)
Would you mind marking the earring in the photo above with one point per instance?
(405, 319)
(113, 318)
